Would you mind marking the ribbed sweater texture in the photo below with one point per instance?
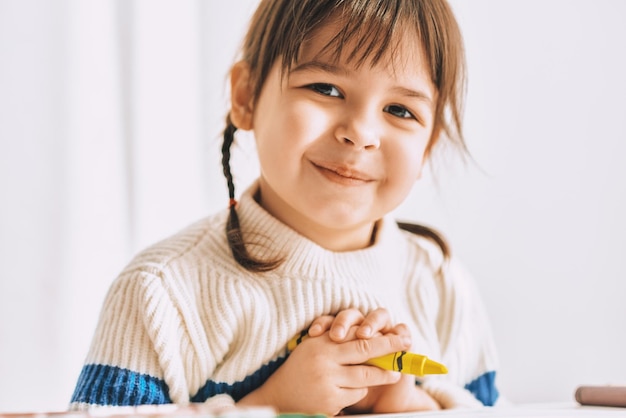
(184, 322)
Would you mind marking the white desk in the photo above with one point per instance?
(569, 410)
(518, 411)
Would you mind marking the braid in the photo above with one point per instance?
(429, 233)
(233, 230)
(229, 138)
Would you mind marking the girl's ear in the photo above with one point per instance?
(241, 96)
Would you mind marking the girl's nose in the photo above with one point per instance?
(359, 129)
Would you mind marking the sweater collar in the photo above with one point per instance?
(268, 238)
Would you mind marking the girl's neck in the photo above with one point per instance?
(345, 239)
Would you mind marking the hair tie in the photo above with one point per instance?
(232, 203)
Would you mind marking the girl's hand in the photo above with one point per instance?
(403, 396)
(321, 376)
(377, 321)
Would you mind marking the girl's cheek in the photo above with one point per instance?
(309, 117)
(406, 157)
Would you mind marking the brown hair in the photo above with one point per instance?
(279, 28)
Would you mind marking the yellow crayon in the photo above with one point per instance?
(401, 361)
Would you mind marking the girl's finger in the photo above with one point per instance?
(360, 350)
(350, 396)
(320, 325)
(343, 322)
(360, 376)
(379, 320)
(401, 329)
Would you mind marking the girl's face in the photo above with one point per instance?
(340, 145)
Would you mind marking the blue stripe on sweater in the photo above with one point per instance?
(484, 388)
(238, 389)
(100, 384)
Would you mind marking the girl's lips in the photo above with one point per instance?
(342, 173)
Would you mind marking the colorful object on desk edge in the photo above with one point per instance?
(608, 395)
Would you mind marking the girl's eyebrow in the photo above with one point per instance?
(418, 94)
(319, 66)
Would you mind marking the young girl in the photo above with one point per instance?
(346, 99)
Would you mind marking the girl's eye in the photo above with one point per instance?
(325, 89)
(399, 111)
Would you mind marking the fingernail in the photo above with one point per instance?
(406, 341)
(339, 332)
(315, 329)
(366, 331)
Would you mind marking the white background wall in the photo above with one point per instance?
(542, 226)
(110, 113)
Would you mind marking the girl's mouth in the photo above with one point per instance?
(343, 174)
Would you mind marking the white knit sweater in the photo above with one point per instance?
(185, 323)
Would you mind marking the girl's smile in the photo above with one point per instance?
(342, 174)
(340, 144)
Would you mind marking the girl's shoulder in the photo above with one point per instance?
(431, 249)
(201, 240)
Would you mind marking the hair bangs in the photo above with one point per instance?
(373, 31)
